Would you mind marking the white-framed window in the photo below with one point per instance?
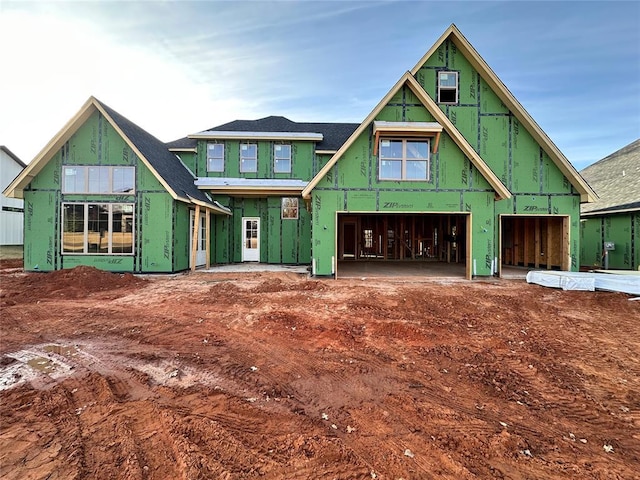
(290, 208)
(448, 87)
(404, 159)
(97, 228)
(282, 158)
(248, 157)
(215, 157)
(98, 179)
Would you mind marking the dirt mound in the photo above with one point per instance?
(68, 283)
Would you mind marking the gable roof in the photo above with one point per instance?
(408, 80)
(473, 57)
(165, 166)
(616, 179)
(13, 156)
(333, 134)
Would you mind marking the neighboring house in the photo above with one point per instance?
(448, 167)
(11, 213)
(610, 227)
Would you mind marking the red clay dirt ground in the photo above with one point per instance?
(279, 376)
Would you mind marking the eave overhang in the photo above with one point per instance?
(184, 149)
(233, 135)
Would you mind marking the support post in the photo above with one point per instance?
(194, 239)
(208, 235)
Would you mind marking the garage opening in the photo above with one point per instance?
(393, 240)
(528, 242)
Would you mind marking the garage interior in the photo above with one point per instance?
(535, 241)
(403, 243)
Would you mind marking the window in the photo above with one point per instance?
(282, 158)
(97, 228)
(290, 208)
(248, 158)
(404, 159)
(215, 157)
(447, 87)
(98, 179)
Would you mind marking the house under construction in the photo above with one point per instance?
(447, 168)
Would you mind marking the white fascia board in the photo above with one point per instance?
(226, 135)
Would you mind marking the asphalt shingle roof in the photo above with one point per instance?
(334, 134)
(616, 180)
(168, 166)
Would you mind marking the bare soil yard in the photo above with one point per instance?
(278, 376)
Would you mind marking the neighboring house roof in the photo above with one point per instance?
(408, 80)
(452, 33)
(616, 180)
(13, 156)
(167, 168)
(333, 134)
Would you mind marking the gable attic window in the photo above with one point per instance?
(215, 157)
(248, 158)
(448, 87)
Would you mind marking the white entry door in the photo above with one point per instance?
(201, 249)
(250, 239)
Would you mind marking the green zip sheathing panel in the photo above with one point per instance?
(302, 154)
(621, 229)
(282, 241)
(97, 143)
(189, 159)
(591, 243)
(537, 185)
(156, 235)
(181, 231)
(41, 245)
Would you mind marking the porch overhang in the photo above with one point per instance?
(252, 186)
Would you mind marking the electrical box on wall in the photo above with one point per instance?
(609, 246)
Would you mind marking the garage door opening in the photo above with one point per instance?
(531, 242)
(389, 241)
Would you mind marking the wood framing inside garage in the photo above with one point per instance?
(421, 237)
(535, 241)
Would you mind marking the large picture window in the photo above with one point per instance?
(215, 157)
(404, 159)
(282, 158)
(97, 228)
(248, 158)
(98, 179)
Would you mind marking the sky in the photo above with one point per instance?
(180, 67)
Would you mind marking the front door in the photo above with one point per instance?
(201, 249)
(250, 239)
